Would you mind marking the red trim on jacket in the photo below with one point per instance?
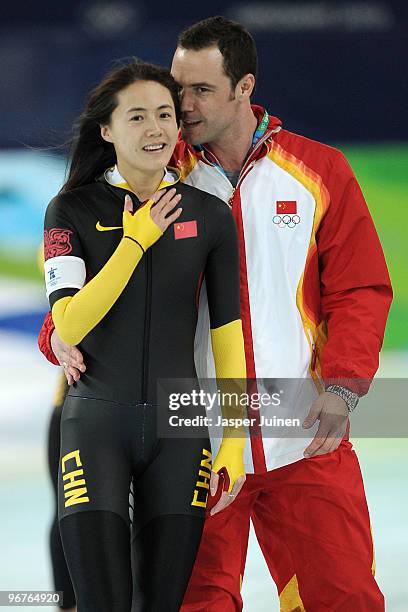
(44, 339)
(258, 453)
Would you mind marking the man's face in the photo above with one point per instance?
(208, 104)
(143, 127)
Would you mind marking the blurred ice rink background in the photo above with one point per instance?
(333, 71)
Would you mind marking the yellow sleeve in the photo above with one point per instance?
(228, 350)
(75, 316)
(230, 366)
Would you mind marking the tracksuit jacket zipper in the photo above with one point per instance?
(246, 168)
(146, 335)
(147, 320)
(248, 165)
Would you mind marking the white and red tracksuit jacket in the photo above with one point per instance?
(315, 290)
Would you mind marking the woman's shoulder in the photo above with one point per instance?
(74, 199)
(78, 194)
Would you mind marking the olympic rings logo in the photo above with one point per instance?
(286, 220)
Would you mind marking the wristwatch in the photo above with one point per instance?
(347, 395)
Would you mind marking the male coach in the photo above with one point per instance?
(315, 295)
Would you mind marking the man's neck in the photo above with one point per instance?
(232, 148)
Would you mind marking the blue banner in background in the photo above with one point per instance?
(333, 71)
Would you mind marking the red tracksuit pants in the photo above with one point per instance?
(312, 524)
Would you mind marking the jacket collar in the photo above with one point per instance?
(114, 177)
(274, 124)
(268, 125)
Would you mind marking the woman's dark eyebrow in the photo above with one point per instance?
(132, 110)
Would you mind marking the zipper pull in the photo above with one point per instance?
(231, 197)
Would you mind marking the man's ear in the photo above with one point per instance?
(105, 133)
(245, 87)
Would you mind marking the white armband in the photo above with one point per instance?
(64, 272)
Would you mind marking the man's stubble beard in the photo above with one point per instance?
(208, 136)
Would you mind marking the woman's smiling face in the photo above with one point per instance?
(143, 127)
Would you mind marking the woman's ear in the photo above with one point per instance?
(105, 133)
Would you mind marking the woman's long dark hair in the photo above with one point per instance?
(90, 155)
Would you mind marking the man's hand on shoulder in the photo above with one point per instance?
(332, 413)
(69, 357)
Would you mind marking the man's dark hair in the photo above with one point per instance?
(234, 42)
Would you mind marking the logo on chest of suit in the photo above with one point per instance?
(103, 228)
(286, 214)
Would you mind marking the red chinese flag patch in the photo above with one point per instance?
(286, 207)
(188, 229)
